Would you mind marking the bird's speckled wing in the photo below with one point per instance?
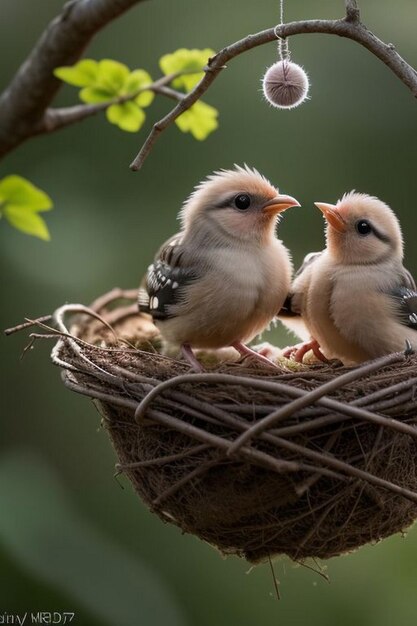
(162, 287)
(406, 297)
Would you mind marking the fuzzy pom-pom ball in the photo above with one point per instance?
(285, 85)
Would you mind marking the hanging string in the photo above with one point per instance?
(283, 49)
(285, 84)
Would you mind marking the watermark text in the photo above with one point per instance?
(37, 617)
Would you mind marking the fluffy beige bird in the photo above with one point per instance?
(221, 279)
(355, 298)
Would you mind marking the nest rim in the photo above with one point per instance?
(290, 452)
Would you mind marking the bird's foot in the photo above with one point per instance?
(189, 355)
(290, 351)
(246, 351)
(298, 352)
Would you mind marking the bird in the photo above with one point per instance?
(221, 279)
(354, 301)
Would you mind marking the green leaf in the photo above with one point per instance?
(200, 120)
(127, 116)
(138, 79)
(20, 203)
(51, 542)
(82, 74)
(145, 98)
(111, 76)
(16, 191)
(93, 95)
(184, 60)
(109, 81)
(28, 222)
(106, 80)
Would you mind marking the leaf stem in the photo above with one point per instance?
(54, 119)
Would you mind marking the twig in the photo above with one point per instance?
(27, 324)
(274, 578)
(281, 414)
(233, 422)
(24, 105)
(304, 486)
(269, 462)
(371, 398)
(334, 405)
(116, 316)
(352, 11)
(312, 569)
(255, 456)
(28, 347)
(55, 119)
(112, 296)
(349, 27)
(195, 473)
(162, 460)
(202, 435)
(332, 418)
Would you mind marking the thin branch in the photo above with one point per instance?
(352, 11)
(233, 422)
(112, 296)
(24, 105)
(255, 456)
(289, 409)
(25, 100)
(271, 463)
(55, 119)
(195, 473)
(162, 460)
(349, 27)
(27, 324)
(274, 578)
(253, 383)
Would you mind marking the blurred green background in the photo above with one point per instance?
(70, 538)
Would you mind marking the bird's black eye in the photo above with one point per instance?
(363, 227)
(242, 201)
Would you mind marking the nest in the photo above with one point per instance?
(256, 461)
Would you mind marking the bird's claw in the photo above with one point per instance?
(289, 351)
(298, 352)
(245, 351)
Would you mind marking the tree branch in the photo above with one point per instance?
(349, 27)
(55, 119)
(352, 11)
(23, 103)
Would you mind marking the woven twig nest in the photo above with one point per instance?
(254, 460)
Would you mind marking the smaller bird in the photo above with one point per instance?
(221, 279)
(354, 300)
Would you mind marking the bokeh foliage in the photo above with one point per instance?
(21, 202)
(357, 131)
(109, 80)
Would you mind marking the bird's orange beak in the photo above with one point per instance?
(279, 203)
(332, 215)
